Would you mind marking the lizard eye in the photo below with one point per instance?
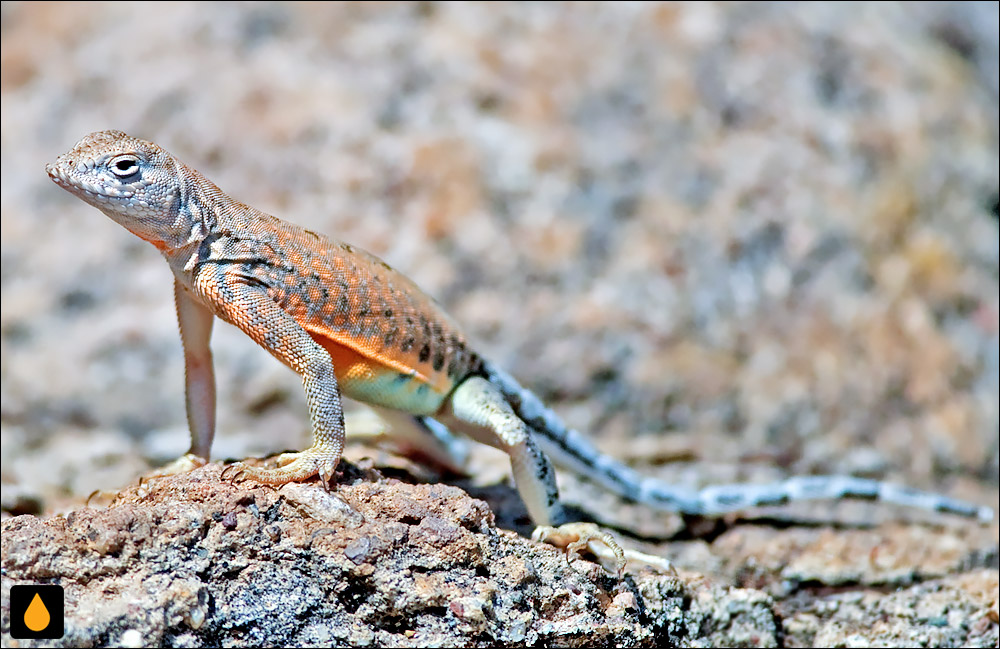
(125, 166)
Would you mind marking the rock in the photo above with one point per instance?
(193, 560)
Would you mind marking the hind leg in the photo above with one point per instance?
(478, 409)
(410, 435)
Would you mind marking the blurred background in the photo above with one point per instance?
(729, 241)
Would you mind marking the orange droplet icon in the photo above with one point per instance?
(37, 616)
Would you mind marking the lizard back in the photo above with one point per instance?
(391, 344)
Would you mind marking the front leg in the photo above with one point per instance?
(195, 320)
(251, 309)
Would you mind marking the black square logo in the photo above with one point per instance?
(36, 612)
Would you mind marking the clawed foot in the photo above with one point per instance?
(183, 464)
(291, 467)
(576, 537)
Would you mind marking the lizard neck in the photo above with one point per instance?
(201, 206)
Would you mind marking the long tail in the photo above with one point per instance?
(568, 448)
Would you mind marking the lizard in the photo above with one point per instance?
(349, 324)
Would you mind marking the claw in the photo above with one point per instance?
(576, 537)
(327, 472)
(113, 495)
(238, 477)
(296, 467)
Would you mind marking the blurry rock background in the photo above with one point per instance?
(754, 239)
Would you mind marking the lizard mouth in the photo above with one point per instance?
(64, 179)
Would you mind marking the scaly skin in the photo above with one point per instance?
(348, 323)
(390, 344)
(340, 317)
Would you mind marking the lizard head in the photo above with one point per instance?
(133, 181)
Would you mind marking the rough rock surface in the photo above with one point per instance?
(193, 560)
(196, 561)
(728, 241)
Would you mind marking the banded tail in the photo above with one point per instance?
(568, 448)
